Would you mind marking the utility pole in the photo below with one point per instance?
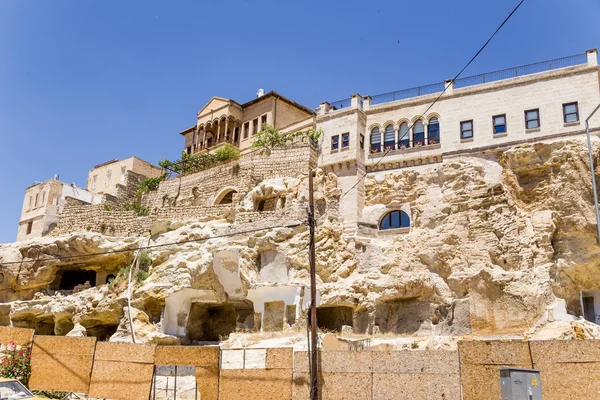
(314, 379)
(589, 142)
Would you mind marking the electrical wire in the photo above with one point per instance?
(152, 246)
(444, 91)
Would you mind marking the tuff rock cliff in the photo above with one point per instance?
(500, 244)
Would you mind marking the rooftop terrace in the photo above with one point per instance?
(471, 80)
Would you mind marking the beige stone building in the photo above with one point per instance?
(104, 178)
(366, 134)
(43, 204)
(226, 121)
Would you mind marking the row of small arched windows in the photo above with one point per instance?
(404, 139)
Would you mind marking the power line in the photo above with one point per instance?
(444, 91)
(152, 246)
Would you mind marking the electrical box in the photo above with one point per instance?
(520, 384)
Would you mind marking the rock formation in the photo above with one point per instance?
(499, 243)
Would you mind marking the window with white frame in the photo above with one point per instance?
(345, 140)
(335, 142)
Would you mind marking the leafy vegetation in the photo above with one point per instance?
(16, 363)
(189, 164)
(144, 261)
(107, 207)
(140, 210)
(271, 138)
(149, 184)
(141, 275)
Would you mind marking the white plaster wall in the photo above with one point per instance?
(273, 268)
(179, 303)
(226, 267)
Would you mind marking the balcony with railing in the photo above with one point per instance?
(589, 57)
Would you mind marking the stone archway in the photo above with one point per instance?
(225, 196)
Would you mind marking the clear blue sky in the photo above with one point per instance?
(83, 82)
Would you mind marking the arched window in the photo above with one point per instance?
(418, 133)
(389, 138)
(375, 140)
(433, 131)
(404, 140)
(394, 219)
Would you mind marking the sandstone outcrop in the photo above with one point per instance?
(495, 240)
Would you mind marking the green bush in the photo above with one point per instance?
(149, 184)
(141, 275)
(144, 260)
(16, 363)
(140, 210)
(107, 208)
(270, 138)
(227, 152)
(189, 164)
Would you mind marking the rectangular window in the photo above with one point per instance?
(570, 112)
(189, 150)
(30, 201)
(36, 200)
(335, 142)
(345, 139)
(499, 123)
(362, 141)
(246, 129)
(54, 200)
(254, 126)
(532, 119)
(29, 227)
(108, 178)
(466, 129)
(263, 120)
(94, 179)
(123, 169)
(43, 203)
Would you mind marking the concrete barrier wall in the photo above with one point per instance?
(20, 336)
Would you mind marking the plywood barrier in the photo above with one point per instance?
(569, 369)
(60, 363)
(343, 375)
(122, 371)
(480, 361)
(256, 374)
(20, 336)
(204, 358)
(416, 375)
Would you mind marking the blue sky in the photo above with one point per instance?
(83, 82)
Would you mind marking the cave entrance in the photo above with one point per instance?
(402, 316)
(334, 317)
(71, 278)
(44, 325)
(208, 322)
(101, 332)
(590, 305)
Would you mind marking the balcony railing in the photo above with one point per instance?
(471, 80)
(418, 144)
(521, 70)
(337, 105)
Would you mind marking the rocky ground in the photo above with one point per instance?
(500, 245)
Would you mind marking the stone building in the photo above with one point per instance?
(105, 177)
(43, 204)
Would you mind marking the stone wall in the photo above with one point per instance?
(191, 197)
(205, 188)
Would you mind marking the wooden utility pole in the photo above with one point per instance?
(314, 379)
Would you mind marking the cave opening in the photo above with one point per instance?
(333, 318)
(209, 322)
(67, 280)
(402, 316)
(44, 325)
(102, 332)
